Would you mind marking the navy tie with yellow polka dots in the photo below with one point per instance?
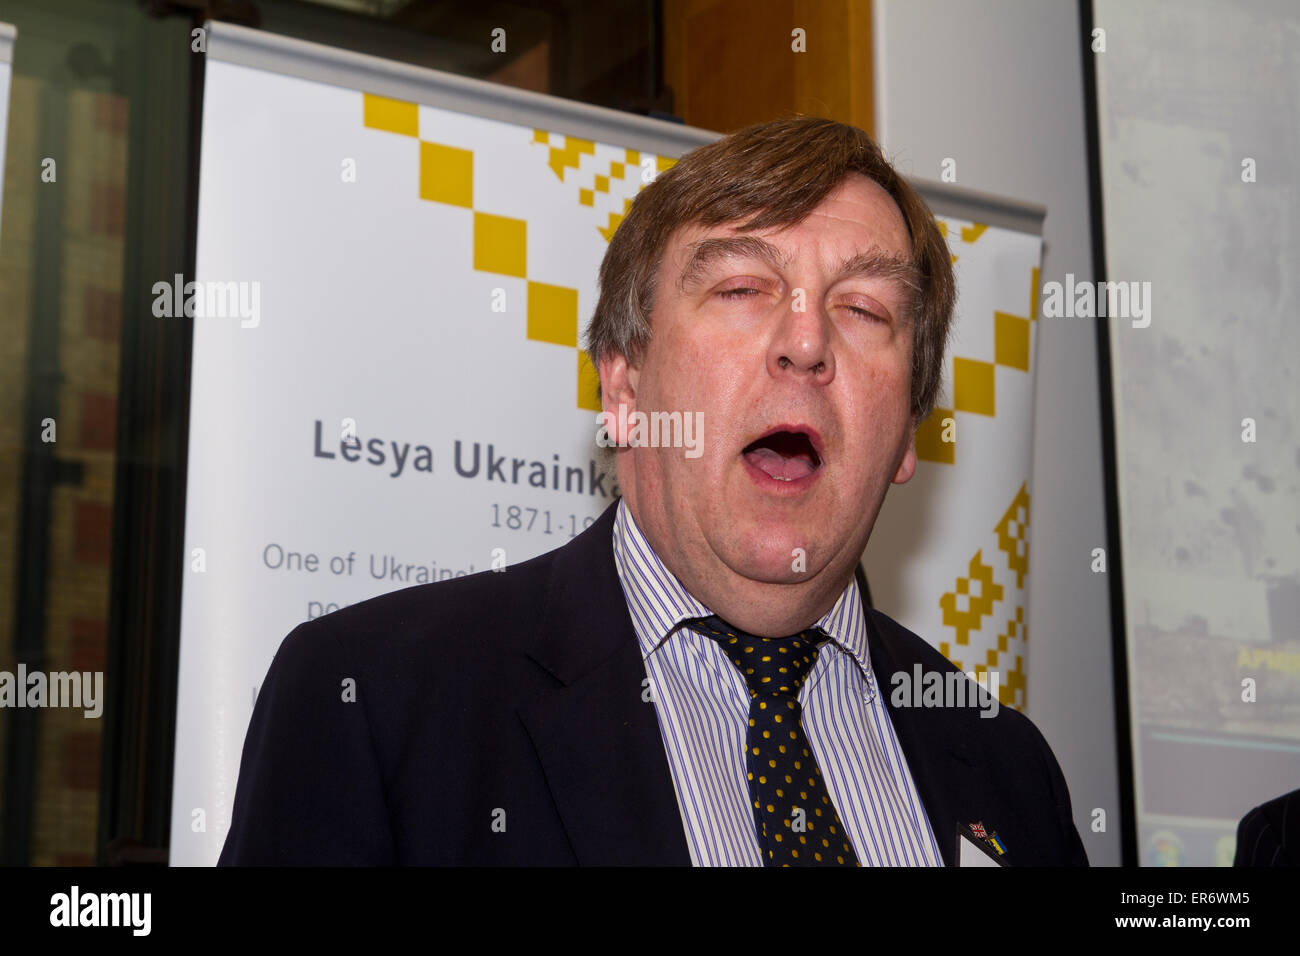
(796, 822)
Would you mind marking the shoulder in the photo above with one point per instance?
(1261, 833)
(903, 652)
(489, 601)
(1016, 767)
(446, 641)
(499, 609)
(999, 737)
(460, 636)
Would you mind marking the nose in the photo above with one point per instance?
(801, 346)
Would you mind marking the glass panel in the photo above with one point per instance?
(604, 52)
(61, 252)
(1198, 112)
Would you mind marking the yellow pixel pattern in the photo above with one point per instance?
(500, 242)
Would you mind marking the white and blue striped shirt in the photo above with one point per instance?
(703, 708)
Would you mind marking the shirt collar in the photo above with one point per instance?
(658, 602)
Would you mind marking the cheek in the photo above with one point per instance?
(887, 368)
(691, 373)
(875, 382)
(880, 413)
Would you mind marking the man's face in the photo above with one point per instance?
(801, 369)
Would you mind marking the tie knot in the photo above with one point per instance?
(770, 665)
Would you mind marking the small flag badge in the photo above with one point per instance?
(979, 831)
(996, 842)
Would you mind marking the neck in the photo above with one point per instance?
(761, 608)
(770, 610)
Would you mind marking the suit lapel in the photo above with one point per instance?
(942, 758)
(597, 739)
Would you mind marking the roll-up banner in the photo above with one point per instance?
(949, 555)
(393, 265)
(8, 33)
(393, 268)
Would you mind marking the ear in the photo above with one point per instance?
(907, 467)
(617, 388)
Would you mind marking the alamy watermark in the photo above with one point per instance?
(1092, 300)
(209, 300)
(922, 688)
(77, 689)
(130, 910)
(652, 430)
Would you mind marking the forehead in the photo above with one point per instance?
(856, 216)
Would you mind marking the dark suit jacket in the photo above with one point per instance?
(499, 719)
(1267, 835)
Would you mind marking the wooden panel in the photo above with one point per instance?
(731, 63)
(528, 71)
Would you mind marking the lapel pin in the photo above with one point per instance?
(992, 839)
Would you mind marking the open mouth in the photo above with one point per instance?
(784, 455)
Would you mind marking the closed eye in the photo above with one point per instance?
(865, 313)
(734, 294)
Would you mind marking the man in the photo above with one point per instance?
(695, 679)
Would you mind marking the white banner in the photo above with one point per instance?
(948, 557)
(387, 387)
(393, 268)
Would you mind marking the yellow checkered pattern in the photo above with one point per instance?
(607, 187)
(500, 242)
(974, 380)
(985, 606)
(973, 599)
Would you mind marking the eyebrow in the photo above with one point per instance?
(880, 265)
(708, 251)
(871, 264)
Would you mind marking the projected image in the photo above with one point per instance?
(1206, 406)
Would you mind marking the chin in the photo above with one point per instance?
(770, 574)
(772, 562)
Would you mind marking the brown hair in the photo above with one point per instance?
(769, 174)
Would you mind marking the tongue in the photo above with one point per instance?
(776, 465)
